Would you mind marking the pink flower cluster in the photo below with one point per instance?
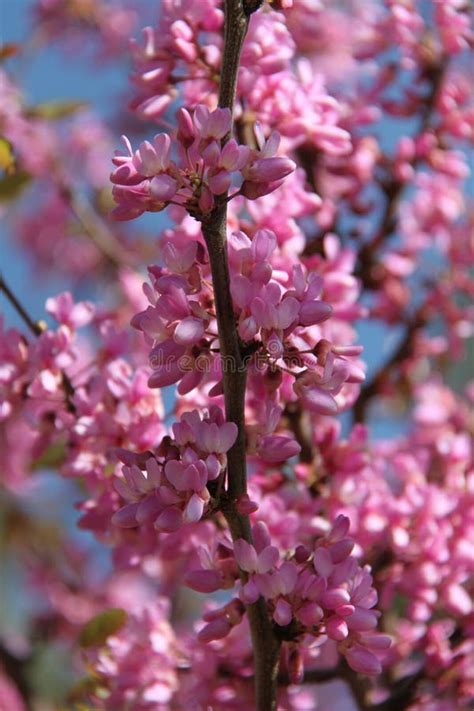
(136, 666)
(170, 489)
(277, 316)
(148, 180)
(279, 312)
(285, 94)
(311, 595)
(105, 26)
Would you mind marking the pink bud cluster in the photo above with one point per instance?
(311, 595)
(285, 93)
(281, 320)
(148, 180)
(51, 385)
(105, 25)
(277, 316)
(136, 666)
(170, 489)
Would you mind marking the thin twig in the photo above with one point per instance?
(404, 351)
(35, 326)
(393, 189)
(37, 329)
(300, 424)
(95, 228)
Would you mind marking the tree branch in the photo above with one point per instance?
(403, 694)
(265, 645)
(34, 326)
(16, 669)
(37, 328)
(367, 264)
(95, 228)
(404, 351)
(300, 424)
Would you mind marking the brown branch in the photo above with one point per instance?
(105, 241)
(17, 671)
(266, 647)
(368, 269)
(382, 377)
(37, 328)
(403, 694)
(299, 422)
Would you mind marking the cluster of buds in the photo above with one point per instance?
(278, 312)
(311, 595)
(149, 180)
(170, 488)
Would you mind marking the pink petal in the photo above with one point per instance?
(337, 629)
(194, 509)
(250, 592)
(362, 620)
(278, 448)
(287, 312)
(267, 559)
(341, 550)
(334, 598)
(363, 661)
(204, 581)
(169, 520)
(126, 517)
(227, 436)
(458, 600)
(217, 629)
(312, 312)
(283, 613)
(245, 555)
(310, 614)
(189, 331)
(322, 562)
(320, 401)
(163, 187)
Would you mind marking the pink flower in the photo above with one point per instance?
(147, 180)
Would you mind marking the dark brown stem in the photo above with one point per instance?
(403, 694)
(404, 351)
(16, 669)
(368, 269)
(34, 326)
(37, 329)
(95, 228)
(235, 29)
(300, 424)
(233, 368)
(266, 647)
(358, 686)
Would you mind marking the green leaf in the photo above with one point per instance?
(7, 157)
(52, 457)
(84, 687)
(12, 185)
(100, 627)
(54, 110)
